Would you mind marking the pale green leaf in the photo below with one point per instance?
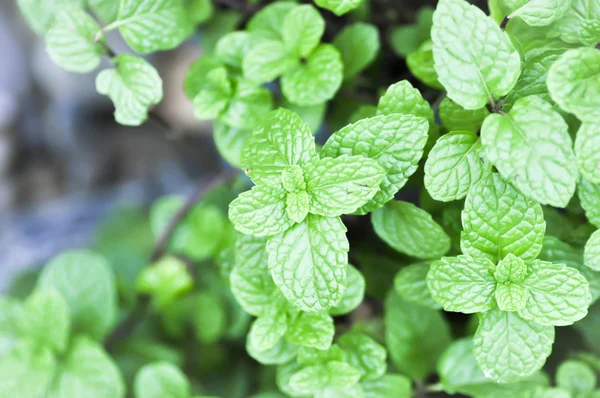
(302, 29)
(268, 22)
(511, 296)
(313, 115)
(542, 12)
(105, 10)
(70, 40)
(166, 280)
(280, 353)
(466, 47)
(388, 385)
(343, 184)
(498, 220)
(510, 269)
(315, 81)
(410, 230)
(152, 25)
(457, 367)
(266, 61)
(508, 347)
(213, 97)
(46, 319)
(230, 141)
(456, 118)
(454, 164)
(210, 317)
(589, 194)
(580, 23)
(420, 64)
(297, 205)
(462, 284)
(587, 151)
(159, 380)
(364, 354)
(292, 179)
(574, 82)
(308, 262)
(27, 371)
(335, 374)
(133, 86)
(576, 377)
(283, 374)
(359, 44)
(311, 330)
(353, 294)
(249, 106)
(232, 48)
(267, 329)
(411, 284)
(557, 295)
(403, 98)
(92, 300)
(199, 11)
(415, 336)
(338, 7)
(591, 255)
(395, 141)
(195, 77)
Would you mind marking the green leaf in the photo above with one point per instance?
(297, 205)
(410, 230)
(195, 79)
(92, 301)
(454, 164)
(302, 30)
(359, 45)
(338, 7)
(335, 374)
(415, 336)
(70, 40)
(557, 295)
(587, 151)
(133, 86)
(45, 318)
(292, 179)
(27, 371)
(230, 141)
(395, 141)
(39, 14)
(388, 385)
(461, 35)
(510, 269)
(576, 377)
(167, 279)
(87, 371)
(411, 284)
(404, 40)
(511, 297)
(209, 317)
(283, 140)
(260, 212)
(403, 98)
(420, 64)
(105, 10)
(353, 295)
(313, 115)
(513, 144)
(456, 118)
(281, 353)
(161, 379)
(343, 184)
(579, 25)
(462, 284)
(267, 329)
(542, 12)
(508, 347)
(266, 61)
(308, 262)
(457, 367)
(249, 105)
(199, 11)
(214, 96)
(498, 220)
(315, 81)
(232, 48)
(311, 330)
(364, 354)
(589, 194)
(268, 22)
(152, 25)
(574, 84)
(591, 255)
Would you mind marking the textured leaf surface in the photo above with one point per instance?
(341, 185)
(510, 269)
(576, 377)
(353, 294)
(580, 23)
(410, 230)
(334, 374)
(230, 141)
(589, 194)
(365, 354)
(161, 379)
(359, 44)
(92, 301)
(498, 220)
(308, 262)
(511, 297)
(317, 80)
(214, 95)
(411, 284)
(403, 98)
(302, 30)
(466, 40)
(558, 295)
(420, 64)
(311, 330)
(456, 162)
(266, 61)
(338, 7)
(457, 367)
(462, 284)
(542, 12)
(415, 336)
(232, 48)
(281, 353)
(266, 330)
(153, 25)
(508, 347)
(395, 141)
(587, 151)
(195, 77)
(70, 41)
(249, 105)
(133, 86)
(456, 118)
(574, 83)
(106, 10)
(592, 252)
(46, 319)
(268, 22)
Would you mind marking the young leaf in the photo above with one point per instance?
(353, 294)
(420, 64)
(46, 319)
(282, 352)
(461, 35)
(532, 148)
(268, 22)
(415, 336)
(456, 118)
(388, 385)
(232, 48)
(70, 40)
(27, 370)
(454, 164)
(508, 347)
(589, 194)
(403, 98)
(338, 7)
(133, 86)
(574, 85)
(579, 25)
(266, 330)
(260, 212)
(576, 377)
(511, 297)
(395, 141)
(315, 81)
(542, 12)
(557, 295)
(498, 220)
(510, 269)
(302, 30)
(308, 262)
(92, 301)
(230, 141)
(297, 205)
(359, 44)
(341, 185)
(457, 367)
(591, 255)
(364, 354)
(266, 61)
(411, 284)
(249, 105)
(334, 374)
(161, 379)
(462, 284)
(311, 330)
(410, 230)
(152, 25)
(587, 151)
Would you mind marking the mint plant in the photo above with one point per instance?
(372, 194)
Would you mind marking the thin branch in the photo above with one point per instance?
(128, 325)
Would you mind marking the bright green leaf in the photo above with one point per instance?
(267, 329)
(280, 353)
(587, 151)
(591, 255)
(589, 194)
(232, 48)
(46, 319)
(297, 205)
(542, 12)
(214, 96)
(165, 281)
(420, 63)
(199, 11)
(248, 107)
(311, 330)
(302, 29)
(411, 284)
(510, 269)
(159, 380)
(39, 14)
(511, 296)
(106, 10)
(456, 118)
(311, 379)
(266, 61)
(353, 294)
(403, 98)
(364, 354)
(27, 371)
(576, 377)
(580, 24)
(359, 44)
(195, 78)
(210, 317)
(338, 7)
(388, 385)
(268, 22)
(230, 141)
